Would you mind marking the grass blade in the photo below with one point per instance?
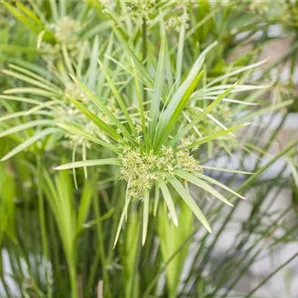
(77, 131)
(158, 87)
(190, 202)
(123, 216)
(145, 218)
(187, 128)
(169, 201)
(89, 163)
(213, 181)
(96, 120)
(205, 186)
(24, 126)
(29, 142)
(103, 108)
(216, 135)
(118, 98)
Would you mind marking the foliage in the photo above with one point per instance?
(113, 118)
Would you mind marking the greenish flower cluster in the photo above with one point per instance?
(76, 140)
(259, 6)
(68, 113)
(175, 22)
(140, 11)
(75, 91)
(67, 29)
(141, 170)
(223, 114)
(66, 32)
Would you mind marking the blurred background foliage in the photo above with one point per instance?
(57, 229)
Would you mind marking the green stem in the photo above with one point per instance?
(100, 255)
(100, 237)
(270, 275)
(144, 50)
(165, 265)
(134, 283)
(43, 225)
(270, 229)
(73, 282)
(242, 189)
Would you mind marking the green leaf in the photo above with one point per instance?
(197, 119)
(89, 163)
(54, 10)
(190, 202)
(35, 76)
(18, 14)
(156, 200)
(225, 170)
(145, 217)
(158, 87)
(32, 81)
(67, 59)
(30, 90)
(264, 111)
(85, 202)
(130, 53)
(213, 181)
(11, 48)
(216, 135)
(29, 142)
(93, 69)
(96, 120)
(84, 158)
(198, 182)
(103, 108)
(240, 70)
(140, 98)
(34, 110)
(123, 216)
(118, 98)
(24, 126)
(170, 115)
(293, 169)
(179, 59)
(30, 14)
(169, 201)
(90, 137)
(20, 99)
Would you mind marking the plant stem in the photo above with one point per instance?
(100, 237)
(73, 282)
(144, 50)
(43, 225)
(270, 275)
(170, 259)
(137, 258)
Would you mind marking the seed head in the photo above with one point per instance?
(141, 170)
(141, 11)
(67, 29)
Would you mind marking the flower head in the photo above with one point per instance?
(141, 11)
(175, 22)
(141, 170)
(67, 30)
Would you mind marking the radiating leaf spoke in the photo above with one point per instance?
(29, 142)
(190, 202)
(169, 201)
(203, 185)
(89, 163)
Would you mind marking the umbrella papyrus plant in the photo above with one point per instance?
(154, 147)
